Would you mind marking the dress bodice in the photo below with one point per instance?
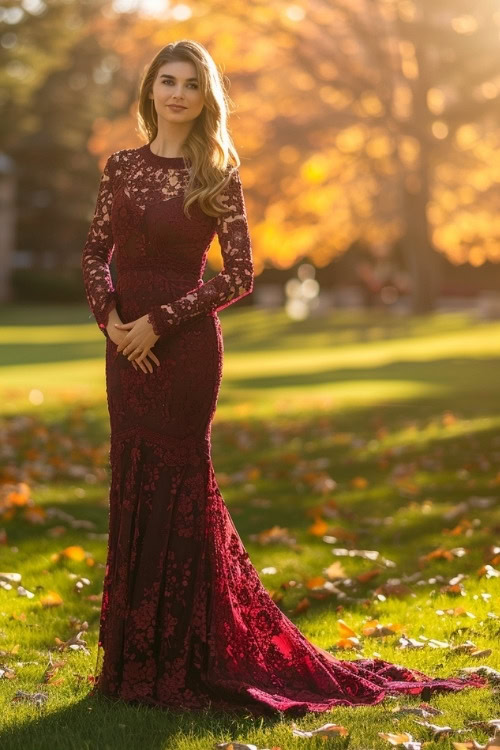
(160, 252)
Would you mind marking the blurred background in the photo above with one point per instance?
(359, 411)
(368, 132)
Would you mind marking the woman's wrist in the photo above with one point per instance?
(113, 318)
(155, 318)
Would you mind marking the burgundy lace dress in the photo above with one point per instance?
(185, 619)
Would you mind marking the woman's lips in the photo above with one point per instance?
(176, 107)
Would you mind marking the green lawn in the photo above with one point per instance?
(394, 422)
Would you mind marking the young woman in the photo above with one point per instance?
(185, 619)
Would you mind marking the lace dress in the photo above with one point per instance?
(185, 620)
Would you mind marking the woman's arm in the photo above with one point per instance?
(233, 282)
(98, 251)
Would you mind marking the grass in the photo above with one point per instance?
(396, 420)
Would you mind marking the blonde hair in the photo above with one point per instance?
(209, 146)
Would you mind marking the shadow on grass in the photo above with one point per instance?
(98, 723)
(447, 374)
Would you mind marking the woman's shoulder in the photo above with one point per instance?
(122, 157)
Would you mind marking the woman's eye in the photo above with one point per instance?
(194, 85)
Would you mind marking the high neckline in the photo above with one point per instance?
(164, 161)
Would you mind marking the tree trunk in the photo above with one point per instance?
(420, 253)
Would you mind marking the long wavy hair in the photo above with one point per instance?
(209, 146)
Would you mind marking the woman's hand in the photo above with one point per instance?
(117, 337)
(140, 337)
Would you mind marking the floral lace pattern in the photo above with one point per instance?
(185, 620)
(232, 283)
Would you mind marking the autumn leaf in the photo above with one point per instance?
(359, 483)
(74, 553)
(75, 643)
(19, 496)
(51, 670)
(35, 514)
(438, 731)
(302, 606)
(274, 535)
(56, 531)
(51, 599)
(404, 739)
(38, 699)
(335, 571)
(6, 672)
(441, 553)
(345, 630)
(235, 746)
(319, 527)
(350, 642)
(316, 582)
(368, 575)
(375, 629)
(326, 730)
(399, 590)
(489, 571)
(424, 709)
(494, 742)
(21, 616)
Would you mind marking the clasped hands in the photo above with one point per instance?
(136, 344)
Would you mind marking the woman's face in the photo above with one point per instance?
(177, 83)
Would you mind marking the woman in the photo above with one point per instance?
(185, 620)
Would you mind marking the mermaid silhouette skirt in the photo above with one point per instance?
(185, 621)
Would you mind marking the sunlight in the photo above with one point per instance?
(155, 8)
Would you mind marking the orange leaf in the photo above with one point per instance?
(359, 483)
(396, 739)
(51, 599)
(319, 527)
(380, 630)
(302, 606)
(19, 496)
(351, 642)
(368, 575)
(314, 583)
(342, 533)
(393, 589)
(35, 514)
(345, 630)
(74, 553)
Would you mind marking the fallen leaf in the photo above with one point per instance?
(335, 571)
(319, 527)
(75, 643)
(38, 699)
(302, 606)
(374, 629)
(345, 630)
(51, 670)
(51, 599)
(74, 552)
(326, 730)
(438, 731)
(424, 709)
(316, 582)
(404, 739)
(6, 672)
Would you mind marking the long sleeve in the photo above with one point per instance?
(232, 283)
(97, 254)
